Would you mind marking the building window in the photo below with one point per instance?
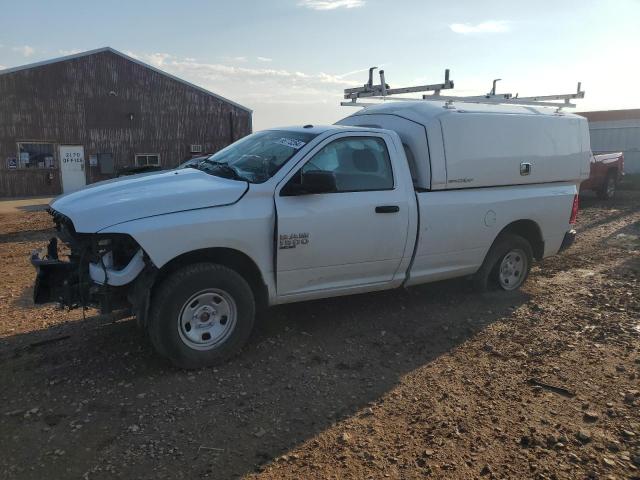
(147, 159)
(36, 155)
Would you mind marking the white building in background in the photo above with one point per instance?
(616, 131)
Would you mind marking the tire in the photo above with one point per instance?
(608, 189)
(514, 254)
(201, 315)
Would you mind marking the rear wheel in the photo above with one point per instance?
(507, 264)
(608, 190)
(201, 315)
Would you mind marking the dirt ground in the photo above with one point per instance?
(436, 381)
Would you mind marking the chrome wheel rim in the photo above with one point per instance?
(513, 269)
(207, 319)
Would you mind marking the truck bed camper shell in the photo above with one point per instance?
(481, 145)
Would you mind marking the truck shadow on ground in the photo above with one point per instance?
(307, 366)
(30, 236)
(36, 207)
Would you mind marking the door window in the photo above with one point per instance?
(358, 163)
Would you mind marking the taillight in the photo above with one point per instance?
(574, 211)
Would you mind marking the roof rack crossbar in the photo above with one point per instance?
(383, 89)
(384, 92)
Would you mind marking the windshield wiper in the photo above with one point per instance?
(225, 170)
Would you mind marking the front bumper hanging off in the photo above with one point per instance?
(56, 280)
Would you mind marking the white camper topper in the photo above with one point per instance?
(477, 145)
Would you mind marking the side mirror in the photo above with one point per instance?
(313, 181)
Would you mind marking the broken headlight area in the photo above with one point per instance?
(91, 270)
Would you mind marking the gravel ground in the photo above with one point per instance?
(433, 381)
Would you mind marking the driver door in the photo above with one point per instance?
(350, 238)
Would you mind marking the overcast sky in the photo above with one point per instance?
(289, 60)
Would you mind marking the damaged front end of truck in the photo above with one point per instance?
(106, 271)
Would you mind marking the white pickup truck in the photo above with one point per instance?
(396, 195)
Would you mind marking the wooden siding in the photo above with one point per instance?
(29, 182)
(108, 104)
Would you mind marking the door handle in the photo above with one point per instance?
(387, 209)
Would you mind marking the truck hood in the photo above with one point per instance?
(108, 203)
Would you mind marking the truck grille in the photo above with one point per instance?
(61, 221)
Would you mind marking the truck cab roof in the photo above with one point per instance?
(319, 129)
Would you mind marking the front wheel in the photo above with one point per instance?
(507, 264)
(201, 315)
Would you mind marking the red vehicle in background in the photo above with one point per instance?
(605, 174)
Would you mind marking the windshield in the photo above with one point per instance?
(257, 157)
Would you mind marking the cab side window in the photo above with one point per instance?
(358, 163)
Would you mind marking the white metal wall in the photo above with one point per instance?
(618, 136)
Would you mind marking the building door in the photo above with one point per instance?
(72, 168)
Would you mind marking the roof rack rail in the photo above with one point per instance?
(384, 92)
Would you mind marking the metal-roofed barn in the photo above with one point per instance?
(616, 131)
(79, 119)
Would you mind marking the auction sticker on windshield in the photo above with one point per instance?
(291, 142)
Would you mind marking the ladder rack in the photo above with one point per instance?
(384, 92)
